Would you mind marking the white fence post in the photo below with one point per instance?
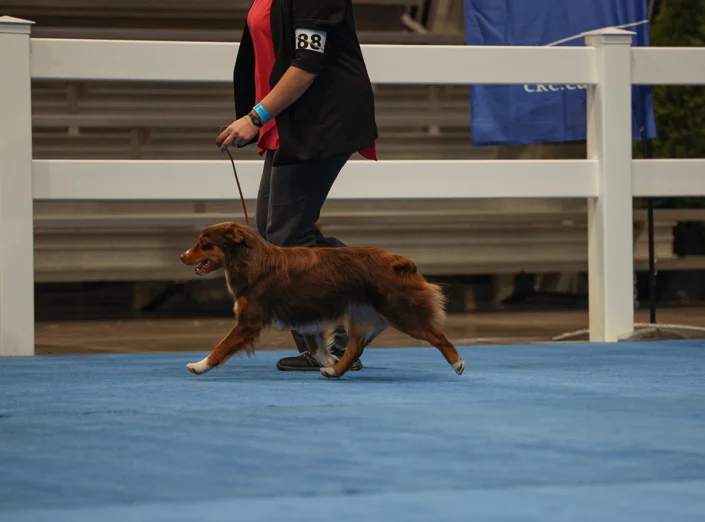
(16, 219)
(610, 243)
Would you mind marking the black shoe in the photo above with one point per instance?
(305, 362)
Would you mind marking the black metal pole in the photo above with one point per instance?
(653, 9)
(652, 264)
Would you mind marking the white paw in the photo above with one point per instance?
(199, 367)
(329, 372)
(459, 367)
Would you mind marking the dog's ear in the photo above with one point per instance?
(235, 237)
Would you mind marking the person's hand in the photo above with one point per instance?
(236, 134)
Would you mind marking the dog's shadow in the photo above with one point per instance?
(385, 376)
(252, 370)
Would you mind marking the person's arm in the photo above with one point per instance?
(313, 20)
(292, 85)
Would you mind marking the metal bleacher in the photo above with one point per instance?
(137, 120)
(140, 120)
(117, 241)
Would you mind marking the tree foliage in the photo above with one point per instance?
(679, 110)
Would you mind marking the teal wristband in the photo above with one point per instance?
(262, 113)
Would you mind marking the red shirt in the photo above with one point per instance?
(261, 32)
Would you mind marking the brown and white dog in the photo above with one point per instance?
(310, 290)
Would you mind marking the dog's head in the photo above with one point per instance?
(216, 245)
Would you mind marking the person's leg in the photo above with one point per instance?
(296, 197)
(262, 210)
(323, 241)
(297, 193)
(262, 218)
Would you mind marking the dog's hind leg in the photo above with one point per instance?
(432, 335)
(418, 311)
(319, 346)
(436, 338)
(363, 324)
(352, 353)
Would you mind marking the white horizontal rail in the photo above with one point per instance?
(668, 66)
(668, 178)
(416, 64)
(64, 59)
(363, 179)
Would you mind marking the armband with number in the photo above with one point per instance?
(310, 39)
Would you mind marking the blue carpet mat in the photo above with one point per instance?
(528, 433)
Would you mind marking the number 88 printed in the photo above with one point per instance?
(303, 41)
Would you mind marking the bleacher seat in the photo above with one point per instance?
(138, 120)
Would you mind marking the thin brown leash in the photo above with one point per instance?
(237, 180)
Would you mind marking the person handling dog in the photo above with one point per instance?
(302, 93)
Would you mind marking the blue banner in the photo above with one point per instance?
(522, 114)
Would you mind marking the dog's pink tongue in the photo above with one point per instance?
(202, 266)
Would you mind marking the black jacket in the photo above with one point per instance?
(336, 114)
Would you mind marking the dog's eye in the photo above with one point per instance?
(206, 246)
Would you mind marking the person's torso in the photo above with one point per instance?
(258, 21)
(335, 114)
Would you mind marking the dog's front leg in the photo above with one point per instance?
(242, 336)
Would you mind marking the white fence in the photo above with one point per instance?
(609, 178)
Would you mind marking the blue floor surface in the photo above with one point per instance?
(529, 433)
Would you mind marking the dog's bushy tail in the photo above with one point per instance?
(439, 302)
(402, 265)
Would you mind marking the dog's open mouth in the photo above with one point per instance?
(204, 267)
